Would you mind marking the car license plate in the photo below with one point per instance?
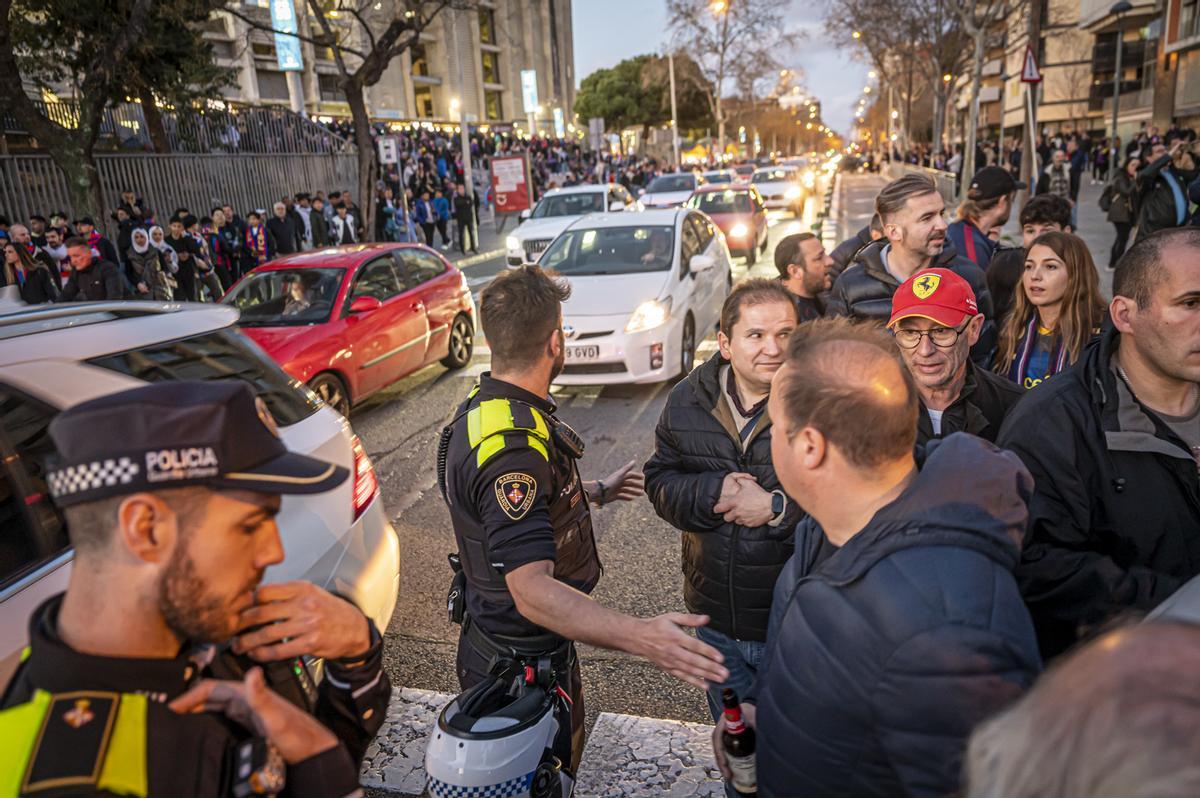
(583, 352)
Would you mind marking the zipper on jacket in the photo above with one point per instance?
(743, 462)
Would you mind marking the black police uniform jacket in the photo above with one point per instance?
(884, 654)
(103, 724)
(1115, 515)
(980, 409)
(729, 570)
(865, 290)
(515, 498)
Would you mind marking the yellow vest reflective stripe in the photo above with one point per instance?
(490, 419)
(122, 753)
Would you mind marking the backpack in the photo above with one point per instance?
(1106, 198)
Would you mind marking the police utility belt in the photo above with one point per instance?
(488, 421)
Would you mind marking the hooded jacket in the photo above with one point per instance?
(1157, 206)
(1115, 518)
(865, 290)
(729, 570)
(884, 656)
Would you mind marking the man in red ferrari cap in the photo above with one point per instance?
(936, 322)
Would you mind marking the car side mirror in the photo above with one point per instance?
(525, 214)
(701, 263)
(616, 205)
(641, 192)
(365, 304)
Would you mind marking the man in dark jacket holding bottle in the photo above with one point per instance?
(711, 477)
(1113, 444)
(898, 626)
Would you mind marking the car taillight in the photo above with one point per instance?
(366, 486)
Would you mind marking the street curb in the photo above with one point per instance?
(475, 260)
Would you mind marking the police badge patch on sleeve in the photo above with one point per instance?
(515, 493)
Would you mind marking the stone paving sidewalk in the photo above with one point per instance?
(625, 756)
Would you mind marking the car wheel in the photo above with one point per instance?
(462, 343)
(687, 347)
(332, 392)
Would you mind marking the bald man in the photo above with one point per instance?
(897, 626)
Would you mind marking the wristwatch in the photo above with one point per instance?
(778, 503)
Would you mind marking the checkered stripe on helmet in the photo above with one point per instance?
(505, 789)
(90, 476)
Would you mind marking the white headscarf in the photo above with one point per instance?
(168, 252)
(139, 233)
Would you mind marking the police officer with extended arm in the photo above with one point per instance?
(521, 516)
(170, 493)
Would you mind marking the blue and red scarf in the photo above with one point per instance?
(256, 242)
(1025, 347)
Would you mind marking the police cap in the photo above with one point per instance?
(176, 434)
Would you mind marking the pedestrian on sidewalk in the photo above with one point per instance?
(897, 626)
(1056, 312)
(92, 279)
(424, 215)
(1044, 213)
(318, 223)
(711, 478)
(259, 242)
(152, 277)
(35, 283)
(1122, 197)
(804, 271)
(342, 229)
(441, 210)
(988, 205)
(465, 220)
(1112, 443)
(1162, 187)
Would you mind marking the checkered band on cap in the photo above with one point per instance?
(513, 788)
(92, 476)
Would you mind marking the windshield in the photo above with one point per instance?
(569, 205)
(772, 175)
(612, 250)
(672, 183)
(286, 297)
(718, 177)
(721, 201)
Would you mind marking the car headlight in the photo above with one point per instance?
(810, 179)
(649, 315)
(512, 242)
(738, 231)
(793, 192)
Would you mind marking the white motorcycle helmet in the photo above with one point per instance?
(495, 740)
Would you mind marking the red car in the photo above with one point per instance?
(351, 320)
(739, 211)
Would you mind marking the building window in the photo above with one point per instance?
(324, 53)
(487, 26)
(272, 85)
(491, 66)
(423, 100)
(1189, 19)
(493, 105)
(263, 49)
(420, 59)
(331, 92)
(226, 50)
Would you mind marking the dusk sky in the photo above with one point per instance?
(607, 31)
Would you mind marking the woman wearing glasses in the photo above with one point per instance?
(1055, 313)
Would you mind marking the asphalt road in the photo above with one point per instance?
(640, 552)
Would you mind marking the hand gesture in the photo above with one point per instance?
(732, 484)
(749, 505)
(674, 651)
(625, 484)
(294, 733)
(748, 718)
(142, 289)
(291, 619)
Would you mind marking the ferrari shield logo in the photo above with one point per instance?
(925, 285)
(515, 494)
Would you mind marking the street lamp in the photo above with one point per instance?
(1004, 76)
(718, 6)
(856, 35)
(1119, 8)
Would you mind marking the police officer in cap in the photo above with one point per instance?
(521, 515)
(170, 493)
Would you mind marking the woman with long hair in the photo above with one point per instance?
(1056, 311)
(35, 282)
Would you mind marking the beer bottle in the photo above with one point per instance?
(738, 742)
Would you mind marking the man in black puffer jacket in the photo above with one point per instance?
(914, 227)
(711, 477)
(898, 625)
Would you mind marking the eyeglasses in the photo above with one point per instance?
(941, 337)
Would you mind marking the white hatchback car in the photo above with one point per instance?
(55, 356)
(670, 190)
(555, 212)
(780, 187)
(645, 290)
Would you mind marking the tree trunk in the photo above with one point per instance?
(973, 124)
(368, 161)
(154, 122)
(908, 100)
(939, 108)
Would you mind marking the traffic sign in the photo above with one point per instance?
(1030, 72)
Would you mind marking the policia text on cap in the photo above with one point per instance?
(170, 492)
(521, 516)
